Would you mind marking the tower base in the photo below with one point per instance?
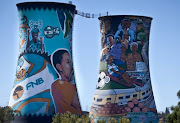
(32, 119)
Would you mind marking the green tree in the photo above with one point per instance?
(167, 111)
(174, 117)
(56, 118)
(112, 120)
(70, 118)
(124, 120)
(178, 94)
(65, 118)
(84, 119)
(101, 121)
(6, 114)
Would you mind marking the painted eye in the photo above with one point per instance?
(67, 61)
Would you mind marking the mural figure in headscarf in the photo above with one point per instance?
(125, 33)
(35, 43)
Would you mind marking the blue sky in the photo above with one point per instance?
(164, 46)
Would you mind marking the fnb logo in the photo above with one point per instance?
(32, 84)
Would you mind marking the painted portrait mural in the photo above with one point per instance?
(124, 85)
(44, 82)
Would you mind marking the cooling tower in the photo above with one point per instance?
(124, 85)
(44, 83)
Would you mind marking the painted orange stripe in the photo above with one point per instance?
(36, 94)
(35, 100)
(45, 91)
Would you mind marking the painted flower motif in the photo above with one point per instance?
(142, 118)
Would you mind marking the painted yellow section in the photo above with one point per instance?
(104, 101)
(117, 98)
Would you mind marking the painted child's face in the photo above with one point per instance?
(66, 64)
(111, 59)
(140, 26)
(134, 48)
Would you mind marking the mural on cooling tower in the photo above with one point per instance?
(124, 85)
(44, 82)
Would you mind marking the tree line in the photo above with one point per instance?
(7, 115)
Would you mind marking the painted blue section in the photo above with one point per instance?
(36, 60)
(53, 21)
(52, 71)
(35, 107)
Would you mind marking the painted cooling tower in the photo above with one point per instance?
(44, 82)
(124, 84)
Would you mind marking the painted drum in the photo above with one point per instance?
(45, 82)
(125, 62)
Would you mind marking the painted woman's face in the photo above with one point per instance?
(66, 64)
(123, 49)
(126, 24)
(111, 40)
